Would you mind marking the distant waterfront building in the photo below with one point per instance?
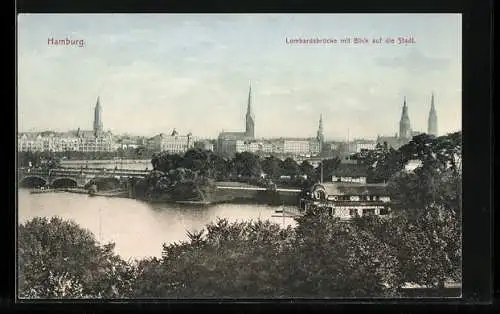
(253, 146)
(173, 143)
(63, 142)
(204, 144)
(356, 146)
(296, 147)
(97, 144)
(95, 140)
(333, 146)
(369, 145)
(432, 124)
(280, 146)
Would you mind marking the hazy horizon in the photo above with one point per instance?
(191, 72)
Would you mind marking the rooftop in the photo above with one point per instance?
(350, 170)
(343, 188)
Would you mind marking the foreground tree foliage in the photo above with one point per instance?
(427, 246)
(58, 259)
(332, 258)
(238, 259)
(322, 258)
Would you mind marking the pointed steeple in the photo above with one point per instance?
(320, 136)
(320, 128)
(249, 118)
(249, 103)
(98, 127)
(432, 121)
(404, 124)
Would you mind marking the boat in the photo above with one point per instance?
(284, 213)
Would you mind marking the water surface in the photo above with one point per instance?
(137, 228)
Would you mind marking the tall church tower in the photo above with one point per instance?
(320, 135)
(432, 122)
(249, 118)
(98, 118)
(404, 124)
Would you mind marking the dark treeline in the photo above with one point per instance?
(184, 176)
(322, 257)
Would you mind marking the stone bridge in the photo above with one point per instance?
(75, 177)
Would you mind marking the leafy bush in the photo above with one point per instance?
(58, 259)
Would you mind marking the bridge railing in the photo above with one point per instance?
(78, 171)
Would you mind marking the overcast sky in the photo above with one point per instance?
(154, 73)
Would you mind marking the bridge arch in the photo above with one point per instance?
(33, 181)
(65, 182)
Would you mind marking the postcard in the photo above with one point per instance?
(181, 156)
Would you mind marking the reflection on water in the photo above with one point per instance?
(137, 228)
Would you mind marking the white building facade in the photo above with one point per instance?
(171, 143)
(64, 142)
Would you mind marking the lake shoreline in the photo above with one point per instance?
(122, 193)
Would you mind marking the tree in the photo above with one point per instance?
(425, 187)
(322, 257)
(59, 259)
(329, 166)
(221, 167)
(197, 160)
(439, 153)
(272, 167)
(306, 169)
(165, 161)
(290, 167)
(240, 259)
(335, 259)
(247, 164)
(432, 248)
(382, 162)
(428, 211)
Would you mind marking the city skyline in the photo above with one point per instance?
(149, 85)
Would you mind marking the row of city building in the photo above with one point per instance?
(97, 140)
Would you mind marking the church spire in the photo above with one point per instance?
(404, 124)
(250, 122)
(320, 128)
(249, 103)
(432, 121)
(98, 127)
(320, 136)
